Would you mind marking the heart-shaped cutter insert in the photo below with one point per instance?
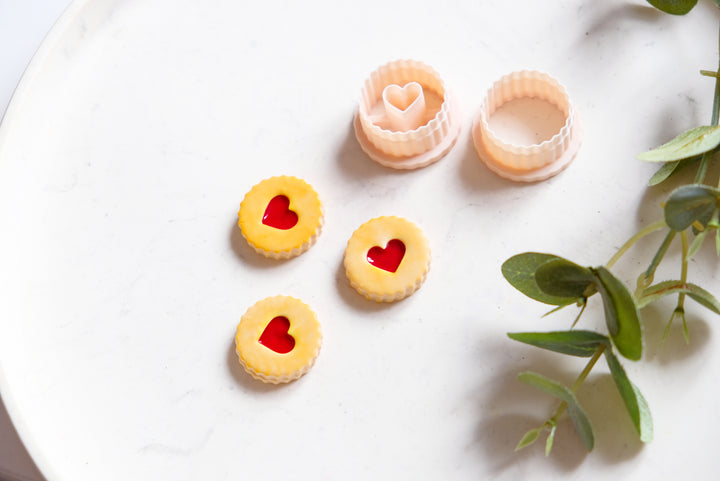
(404, 106)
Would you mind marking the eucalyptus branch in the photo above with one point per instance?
(578, 382)
(680, 307)
(646, 278)
(634, 239)
(707, 156)
(559, 282)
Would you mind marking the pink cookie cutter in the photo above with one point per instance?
(527, 163)
(407, 118)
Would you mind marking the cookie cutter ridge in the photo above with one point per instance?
(527, 163)
(412, 134)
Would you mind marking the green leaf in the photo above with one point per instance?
(677, 312)
(690, 203)
(550, 439)
(673, 7)
(697, 242)
(519, 271)
(703, 297)
(663, 173)
(658, 291)
(688, 144)
(621, 315)
(693, 291)
(576, 413)
(669, 168)
(634, 401)
(529, 438)
(574, 343)
(562, 278)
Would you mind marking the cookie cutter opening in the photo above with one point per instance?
(406, 118)
(534, 162)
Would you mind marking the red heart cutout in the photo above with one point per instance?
(389, 258)
(278, 214)
(275, 336)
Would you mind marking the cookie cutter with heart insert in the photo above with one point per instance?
(407, 118)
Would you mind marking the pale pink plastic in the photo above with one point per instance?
(404, 106)
(407, 118)
(527, 163)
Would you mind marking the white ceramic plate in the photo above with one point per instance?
(140, 126)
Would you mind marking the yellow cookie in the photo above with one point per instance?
(387, 259)
(278, 339)
(281, 217)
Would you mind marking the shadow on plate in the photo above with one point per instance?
(354, 299)
(355, 164)
(616, 439)
(14, 458)
(246, 382)
(674, 348)
(508, 409)
(247, 254)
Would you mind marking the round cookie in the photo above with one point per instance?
(278, 339)
(281, 217)
(387, 259)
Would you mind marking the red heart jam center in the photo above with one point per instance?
(278, 213)
(389, 258)
(275, 336)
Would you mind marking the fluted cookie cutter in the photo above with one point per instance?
(527, 163)
(406, 118)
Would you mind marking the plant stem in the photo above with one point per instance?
(576, 385)
(631, 241)
(703, 167)
(684, 266)
(716, 99)
(582, 309)
(647, 276)
(683, 277)
(707, 156)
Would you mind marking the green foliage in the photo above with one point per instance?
(674, 7)
(688, 144)
(694, 292)
(520, 270)
(669, 168)
(550, 439)
(550, 279)
(621, 315)
(691, 204)
(634, 401)
(529, 438)
(565, 279)
(576, 413)
(573, 343)
(697, 243)
(664, 173)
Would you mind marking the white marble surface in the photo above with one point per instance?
(23, 25)
(145, 122)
